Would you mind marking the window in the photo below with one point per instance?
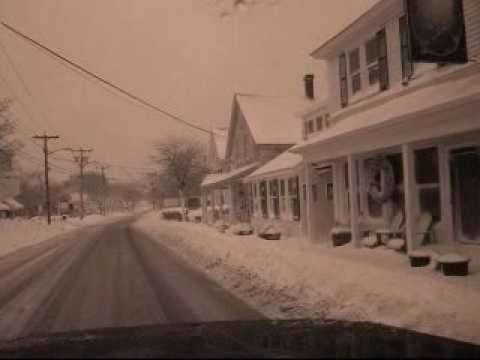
(311, 127)
(373, 75)
(327, 120)
(283, 195)
(356, 83)
(342, 62)
(354, 61)
(371, 50)
(319, 122)
(428, 181)
(275, 198)
(263, 199)
(374, 208)
(383, 60)
(407, 64)
(294, 195)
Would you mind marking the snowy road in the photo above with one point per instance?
(105, 276)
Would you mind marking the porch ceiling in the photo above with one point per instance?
(445, 109)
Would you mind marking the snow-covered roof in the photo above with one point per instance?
(221, 179)
(366, 24)
(283, 162)
(273, 120)
(13, 204)
(403, 106)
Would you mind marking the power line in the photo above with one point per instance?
(20, 101)
(20, 77)
(103, 80)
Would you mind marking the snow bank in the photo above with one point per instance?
(294, 279)
(18, 233)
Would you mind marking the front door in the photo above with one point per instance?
(323, 208)
(465, 174)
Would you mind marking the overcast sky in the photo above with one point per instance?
(182, 55)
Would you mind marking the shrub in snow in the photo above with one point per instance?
(221, 226)
(242, 229)
(397, 244)
(454, 264)
(370, 242)
(420, 258)
(270, 232)
(172, 214)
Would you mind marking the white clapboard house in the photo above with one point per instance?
(401, 149)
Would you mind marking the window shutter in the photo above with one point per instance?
(343, 80)
(383, 59)
(407, 64)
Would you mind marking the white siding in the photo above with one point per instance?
(472, 24)
(334, 103)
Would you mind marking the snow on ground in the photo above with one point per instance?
(294, 279)
(18, 233)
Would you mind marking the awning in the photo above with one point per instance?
(284, 162)
(445, 107)
(4, 207)
(13, 204)
(214, 180)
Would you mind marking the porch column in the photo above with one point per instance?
(309, 221)
(409, 184)
(354, 205)
(269, 203)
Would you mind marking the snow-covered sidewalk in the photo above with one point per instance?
(18, 233)
(294, 279)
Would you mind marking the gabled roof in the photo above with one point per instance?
(220, 136)
(372, 20)
(271, 120)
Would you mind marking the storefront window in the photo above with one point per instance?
(263, 199)
(275, 198)
(294, 195)
(283, 197)
(428, 181)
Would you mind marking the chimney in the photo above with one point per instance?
(309, 86)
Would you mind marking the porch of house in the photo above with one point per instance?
(426, 193)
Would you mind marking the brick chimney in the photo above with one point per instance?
(309, 80)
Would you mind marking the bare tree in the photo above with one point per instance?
(182, 166)
(8, 146)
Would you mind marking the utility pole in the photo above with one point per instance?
(103, 168)
(82, 160)
(45, 139)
